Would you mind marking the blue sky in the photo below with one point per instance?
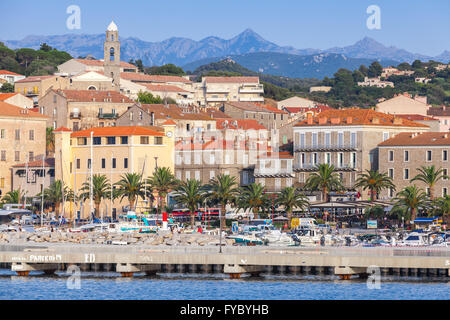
(415, 25)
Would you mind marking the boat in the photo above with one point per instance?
(415, 239)
(247, 239)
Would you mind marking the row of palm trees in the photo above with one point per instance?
(224, 190)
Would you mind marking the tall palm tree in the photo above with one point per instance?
(430, 176)
(101, 189)
(410, 200)
(223, 190)
(130, 186)
(191, 194)
(442, 207)
(15, 196)
(163, 181)
(291, 198)
(56, 193)
(50, 140)
(252, 197)
(375, 182)
(325, 179)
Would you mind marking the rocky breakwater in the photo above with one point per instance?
(148, 239)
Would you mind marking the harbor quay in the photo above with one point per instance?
(345, 262)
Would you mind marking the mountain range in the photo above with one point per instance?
(247, 45)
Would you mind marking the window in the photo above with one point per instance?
(328, 158)
(314, 158)
(188, 175)
(2, 134)
(406, 174)
(113, 163)
(445, 174)
(353, 140)
(197, 175)
(211, 174)
(340, 139)
(82, 141)
(88, 163)
(2, 182)
(3, 155)
(302, 160)
(110, 140)
(353, 161)
(314, 139)
(327, 139)
(158, 140)
(212, 158)
(17, 156)
(391, 155)
(31, 156)
(391, 173)
(31, 135)
(124, 140)
(17, 134)
(429, 154)
(277, 183)
(141, 115)
(391, 193)
(144, 140)
(385, 136)
(444, 191)
(406, 156)
(78, 163)
(444, 155)
(188, 127)
(178, 175)
(125, 163)
(97, 140)
(302, 140)
(340, 159)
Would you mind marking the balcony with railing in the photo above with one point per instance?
(108, 115)
(216, 99)
(75, 115)
(251, 99)
(327, 147)
(273, 173)
(312, 167)
(251, 89)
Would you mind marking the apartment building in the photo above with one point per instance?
(10, 77)
(115, 151)
(442, 114)
(347, 139)
(82, 109)
(17, 99)
(77, 66)
(35, 87)
(404, 104)
(375, 82)
(274, 170)
(214, 91)
(34, 176)
(402, 155)
(22, 139)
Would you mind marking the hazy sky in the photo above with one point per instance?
(415, 25)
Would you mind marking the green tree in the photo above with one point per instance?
(163, 181)
(15, 196)
(324, 179)
(191, 194)
(410, 200)
(363, 69)
(442, 208)
(49, 141)
(55, 194)
(375, 181)
(430, 176)
(148, 98)
(252, 197)
(291, 198)
(101, 189)
(7, 87)
(45, 47)
(130, 186)
(375, 70)
(223, 189)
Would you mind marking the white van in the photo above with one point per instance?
(307, 223)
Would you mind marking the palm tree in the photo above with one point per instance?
(162, 181)
(325, 179)
(252, 197)
(375, 182)
(223, 190)
(101, 188)
(50, 140)
(130, 186)
(55, 195)
(15, 196)
(191, 194)
(430, 176)
(291, 198)
(410, 200)
(442, 207)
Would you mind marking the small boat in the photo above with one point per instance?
(415, 239)
(249, 239)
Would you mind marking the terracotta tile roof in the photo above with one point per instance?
(415, 117)
(62, 129)
(171, 111)
(248, 106)
(8, 110)
(219, 145)
(163, 88)
(9, 73)
(317, 109)
(243, 124)
(216, 114)
(418, 139)
(367, 117)
(442, 111)
(34, 79)
(117, 131)
(99, 63)
(276, 155)
(90, 95)
(169, 122)
(272, 109)
(4, 96)
(49, 162)
(151, 78)
(232, 79)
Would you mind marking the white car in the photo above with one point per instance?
(238, 215)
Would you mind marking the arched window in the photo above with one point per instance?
(112, 37)
(92, 88)
(111, 54)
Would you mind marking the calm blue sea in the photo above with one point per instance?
(102, 286)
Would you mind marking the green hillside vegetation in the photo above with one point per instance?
(165, 70)
(30, 62)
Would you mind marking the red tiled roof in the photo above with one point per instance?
(317, 109)
(216, 114)
(34, 79)
(163, 88)
(151, 78)
(8, 110)
(248, 106)
(117, 131)
(243, 124)
(9, 73)
(162, 111)
(90, 95)
(346, 117)
(272, 109)
(49, 162)
(276, 155)
(90, 62)
(415, 117)
(169, 122)
(62, 129)
(4, 96)
(442, 111)
(232, 79)
(418, 139)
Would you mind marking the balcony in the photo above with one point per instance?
(312, 167)
(217, 90)
(216, 99)
(251, 89)
(252, 99)
(341, 147)
(75, 115)
(273, 173)
(108, 115)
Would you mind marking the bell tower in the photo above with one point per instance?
(112, 55)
